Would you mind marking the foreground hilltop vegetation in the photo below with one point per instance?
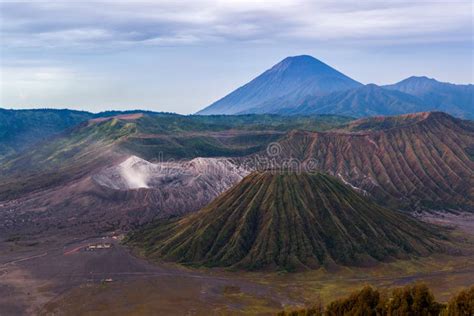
(409, 300)
(288, 221)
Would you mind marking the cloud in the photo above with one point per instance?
(33, 81)
(122, 54)
(109, 25)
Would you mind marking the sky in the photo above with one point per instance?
(180, 56)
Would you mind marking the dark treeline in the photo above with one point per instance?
(415, 300)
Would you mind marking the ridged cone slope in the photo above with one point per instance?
(288, 221)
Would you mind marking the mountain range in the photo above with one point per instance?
(413, 160)
(294, 182)
(365, 101)
(303, 85)
(455, 99)
(129, 169)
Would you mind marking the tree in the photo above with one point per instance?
(461, 304)
(414, 300)
(366, 302)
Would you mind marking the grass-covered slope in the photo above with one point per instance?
(287, 221)
(187, 137)
(156, 136)
(83, 150)
(21, 130)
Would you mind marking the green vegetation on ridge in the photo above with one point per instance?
(20, 129)
(86, 148)
(23, 129)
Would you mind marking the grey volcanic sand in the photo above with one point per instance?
(30, 279)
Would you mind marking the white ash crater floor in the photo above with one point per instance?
(121, 196)
(136, 173)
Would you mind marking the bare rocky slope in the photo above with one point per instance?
(126, 195)
(423, 159)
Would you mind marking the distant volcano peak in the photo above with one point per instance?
(286, 82)
(421, 78)
(300, 59)
(304, 65)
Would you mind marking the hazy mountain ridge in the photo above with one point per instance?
(455, 99)
(302, 85)
(20, 129)
(369, 100)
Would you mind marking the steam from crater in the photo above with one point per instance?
(135, 178)
(135, 172)
(216, 174)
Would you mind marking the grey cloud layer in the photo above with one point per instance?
(102, 24)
